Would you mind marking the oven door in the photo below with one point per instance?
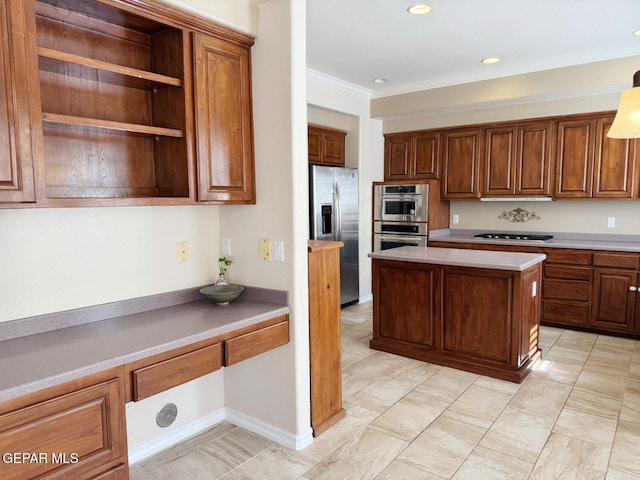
(385, 241)
(402, 208)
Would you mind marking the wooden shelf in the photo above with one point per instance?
(109, 67)
(109, 125)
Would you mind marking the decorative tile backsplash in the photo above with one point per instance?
(518, 215)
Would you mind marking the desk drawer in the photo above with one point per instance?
(254, 343)
(175, 371)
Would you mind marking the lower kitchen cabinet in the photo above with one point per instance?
(75, 430)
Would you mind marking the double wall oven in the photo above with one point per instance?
(400, 215)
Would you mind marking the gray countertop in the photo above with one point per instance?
(462, 258)
(33, 362)
(621, 243)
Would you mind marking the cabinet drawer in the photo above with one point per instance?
(565, 313)
(564, 271)
(562, 289)
(619, 260)
(70, 435)
(175, 371)
(572, 257)
(254, 343)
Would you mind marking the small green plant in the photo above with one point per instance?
(223, 264)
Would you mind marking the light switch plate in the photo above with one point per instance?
(266, 250)
(183, 252)
(611, 222)
(278, 251)
(226, 247)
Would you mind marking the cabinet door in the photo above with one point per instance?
(397, 158)
(314, 141)
(534, 159)
(16, 116)
(499, 161)
(574, 158)
(224, 132)
(461, 163)
(413, 320)
(614, 173)
(333, 148)
(614, 303)
(426, 151)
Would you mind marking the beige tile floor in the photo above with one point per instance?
(577, 416)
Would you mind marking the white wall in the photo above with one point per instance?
(274, 387)
(337, 104)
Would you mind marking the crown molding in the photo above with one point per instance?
(334, 82)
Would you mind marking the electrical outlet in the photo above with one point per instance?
(226, 247)
(266, 250)
(183, 252)
(611, 222)
(455, 219)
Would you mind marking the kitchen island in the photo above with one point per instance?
(477, 311)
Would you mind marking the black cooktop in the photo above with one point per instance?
(516, 236)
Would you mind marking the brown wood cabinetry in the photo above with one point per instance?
(411, 157)
(108, 100)
(574, 158)
(517, 160)
(224, 124)
(615, 164)
(75, 430)
(19, 149)
(327, 146)
(615, 282)
(324, 334)
(250, 344)
(461, 156)
(476, 319)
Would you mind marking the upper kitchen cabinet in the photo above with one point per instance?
(224, 125)
(517, 160)
(411, 157)
(327, 146)
(615, 164)
(18, 111)
(574, 164)
(461, 155)
(135, 103)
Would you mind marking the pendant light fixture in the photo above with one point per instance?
(627, 121)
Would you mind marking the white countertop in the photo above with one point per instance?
(462, 257)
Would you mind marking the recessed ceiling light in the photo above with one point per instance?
(379, 80)
(490, 60)
(419, 9)
(637, 33)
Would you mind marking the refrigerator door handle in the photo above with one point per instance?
(338, 212)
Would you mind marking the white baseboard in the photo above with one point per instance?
(293, 442)
(366, 298)
(172, 437)
(286, 439)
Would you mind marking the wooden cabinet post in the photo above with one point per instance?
(324, 334)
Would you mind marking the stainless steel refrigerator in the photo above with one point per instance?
(333, 215)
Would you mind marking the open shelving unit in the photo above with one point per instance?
(113, 102)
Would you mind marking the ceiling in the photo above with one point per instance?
(359, 40)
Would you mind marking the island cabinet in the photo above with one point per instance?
(18, 144)
(482, 320)
(327, 146)
(325, 334)
(412, 157)
(134, 102)
(75, 430)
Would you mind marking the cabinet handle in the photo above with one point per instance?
(633, 289)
